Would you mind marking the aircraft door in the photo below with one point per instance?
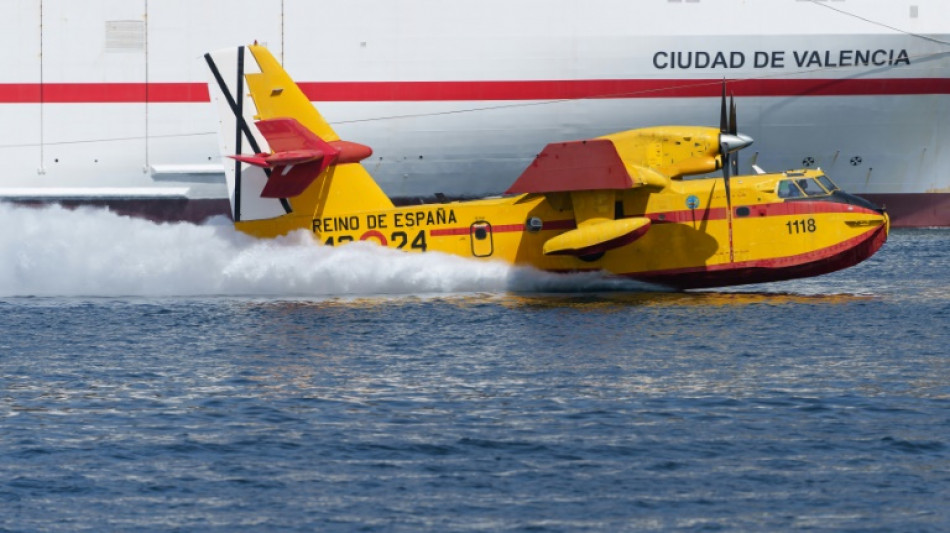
(481, 236)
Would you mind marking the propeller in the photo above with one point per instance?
(733, 130)
(730, 142)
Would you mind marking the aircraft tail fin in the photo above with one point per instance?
(284, 164)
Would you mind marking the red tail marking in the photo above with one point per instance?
(299, 156)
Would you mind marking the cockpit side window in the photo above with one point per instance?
(788, 189)
(827, 183)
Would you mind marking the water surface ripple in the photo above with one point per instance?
(814, 405)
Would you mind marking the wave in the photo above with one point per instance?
(53, 251)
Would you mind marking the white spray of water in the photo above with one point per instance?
(53, 251)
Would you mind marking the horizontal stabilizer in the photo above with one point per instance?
(574, 166)
(299, 156)
(597, 237)
(280, 158)
(285, 164)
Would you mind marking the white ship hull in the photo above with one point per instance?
(107, 100)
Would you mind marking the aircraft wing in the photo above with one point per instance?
(588, 165)
(592, 172)
(574, 166)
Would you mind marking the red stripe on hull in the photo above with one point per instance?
(103, 93)
(572, 89)
(842, 255)
(426, 91)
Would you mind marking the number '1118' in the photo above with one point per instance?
(805, 225)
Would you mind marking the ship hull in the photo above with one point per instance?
(915, 210)
(458, 101)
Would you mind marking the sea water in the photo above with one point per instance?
(180, 377)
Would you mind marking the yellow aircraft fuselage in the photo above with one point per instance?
(617, 203)
(686, 245)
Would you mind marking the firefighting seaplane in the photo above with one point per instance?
(616, 203)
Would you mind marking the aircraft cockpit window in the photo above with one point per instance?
(811, 187)
(788, 189)
(827, 183)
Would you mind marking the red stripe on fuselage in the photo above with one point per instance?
(829, 259)
(503, 228)
(425, 91)
(689, 216)
(448, 232)
(800, 207)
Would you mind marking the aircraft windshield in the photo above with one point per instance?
(827, 183)
(788, 189)
(811, 187)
